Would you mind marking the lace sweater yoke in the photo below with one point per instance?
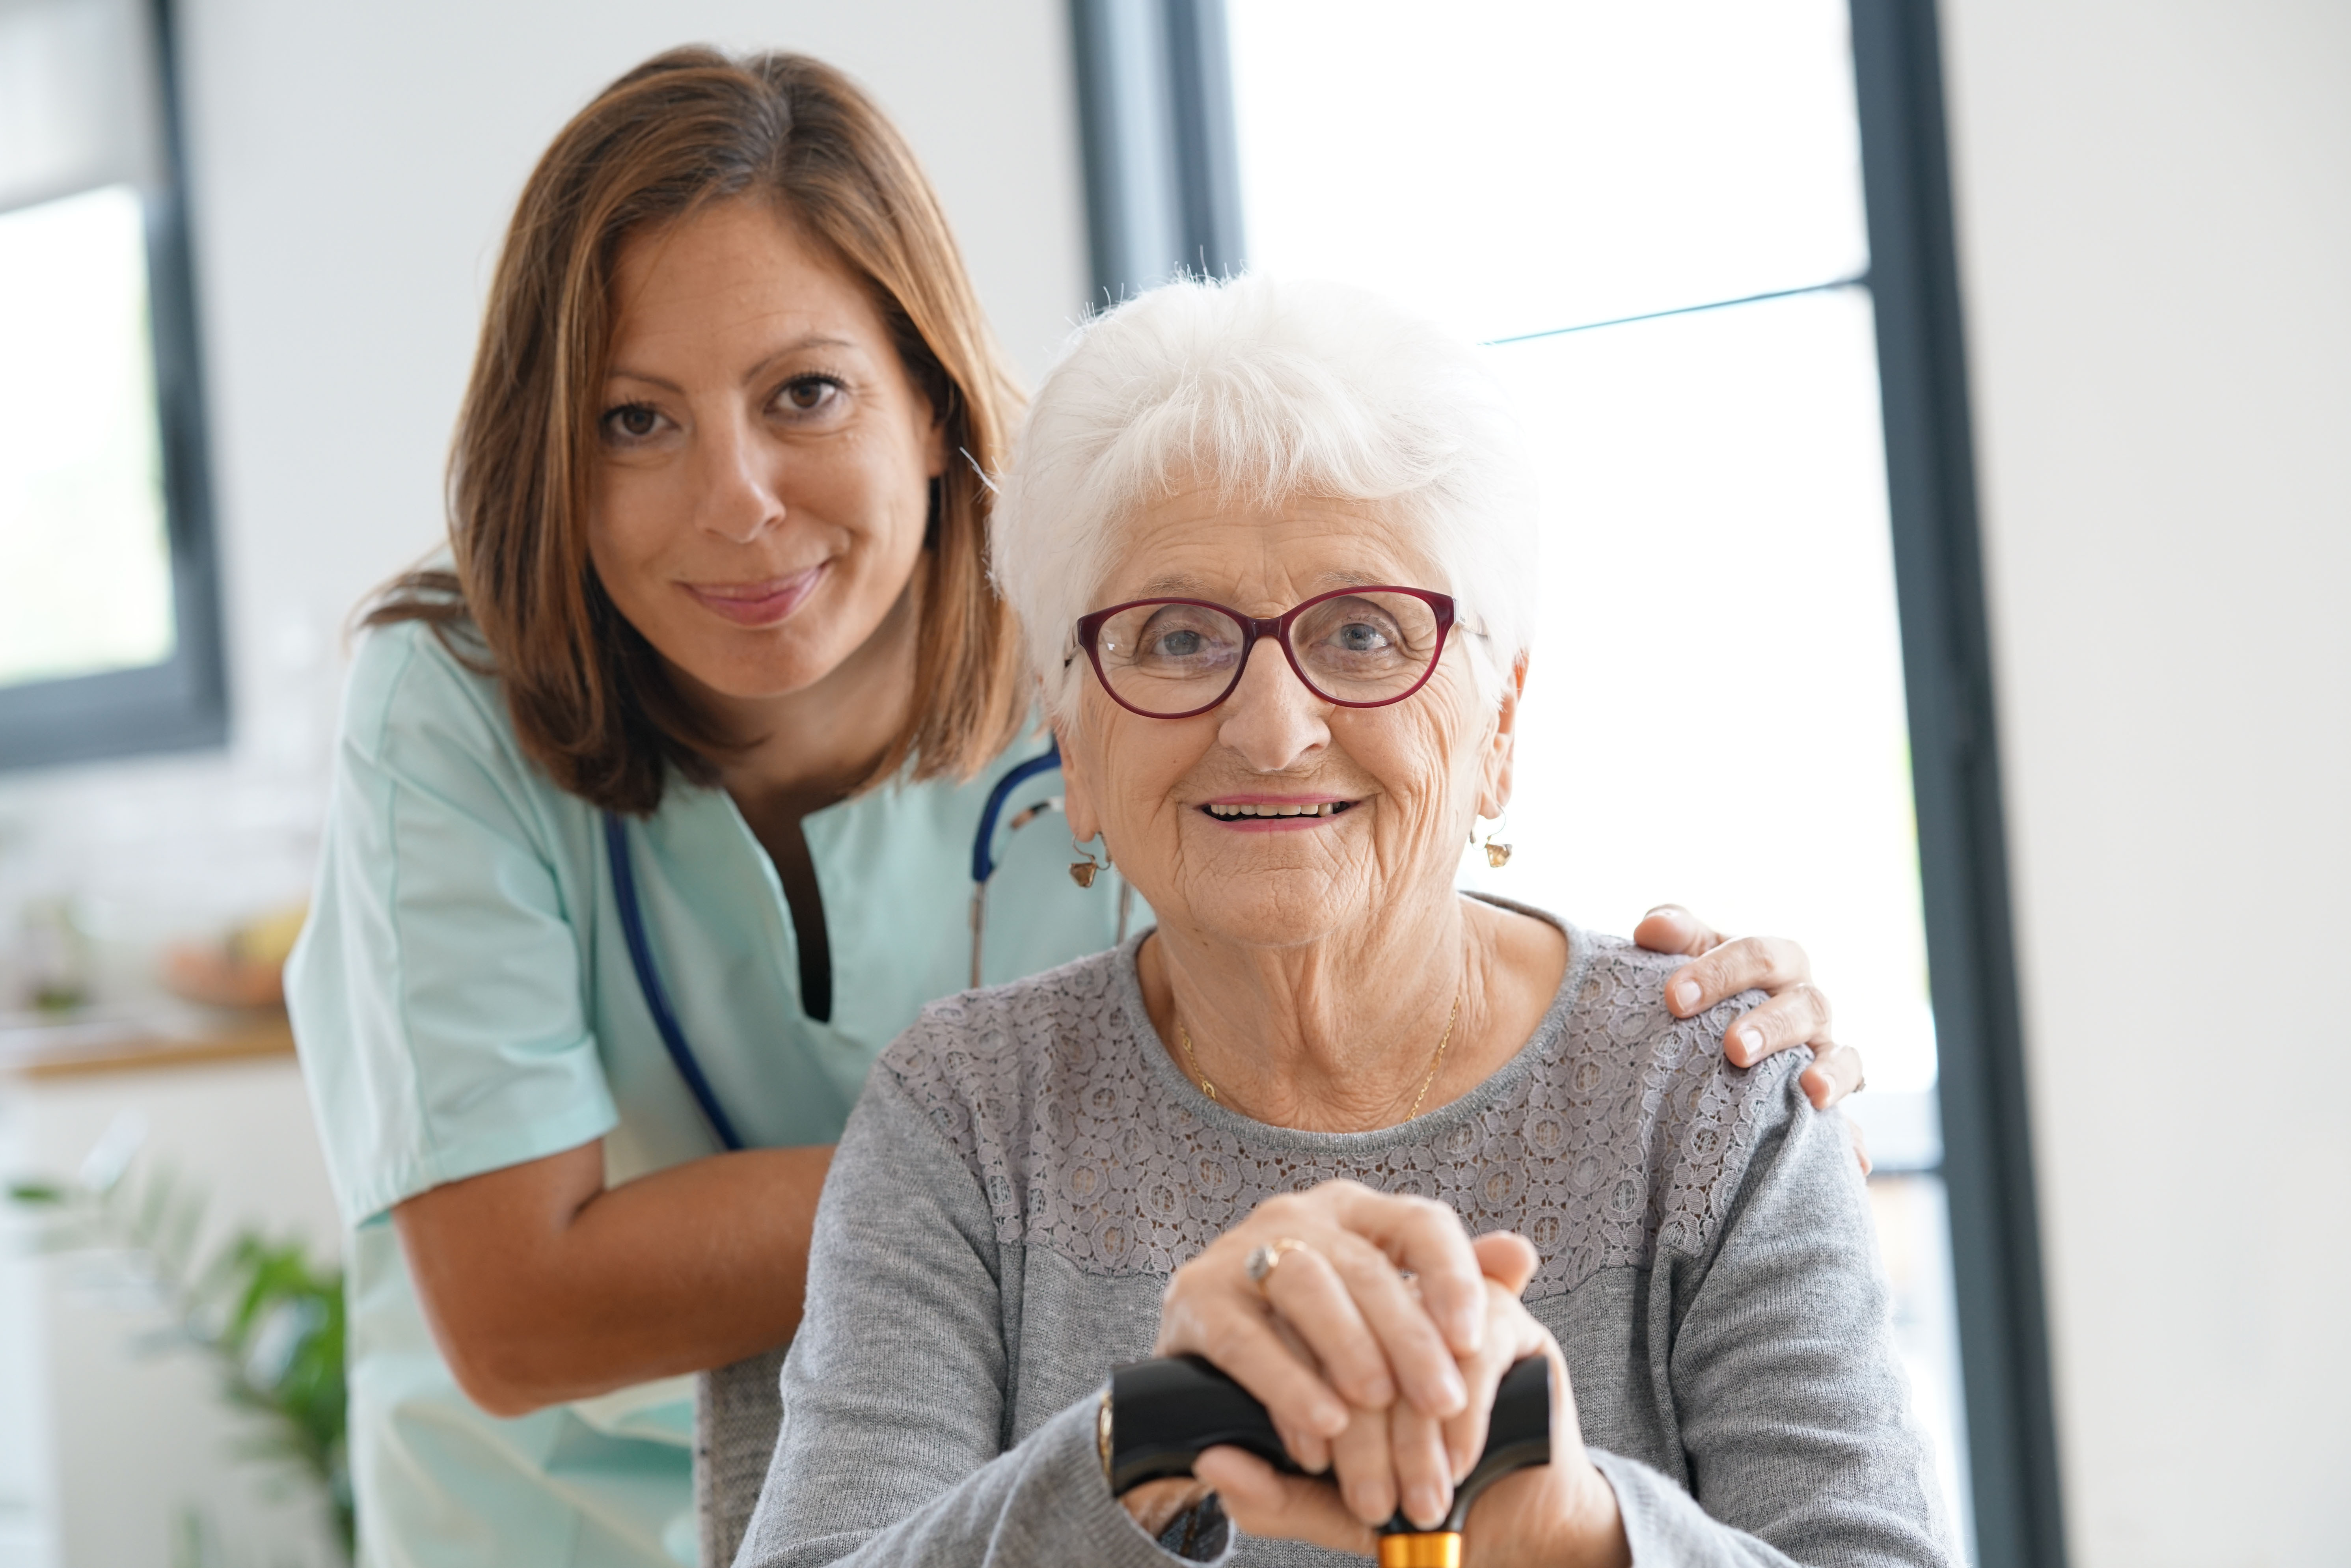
(1616, 1132)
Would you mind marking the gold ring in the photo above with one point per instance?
(1266, 1256)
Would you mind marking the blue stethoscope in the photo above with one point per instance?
(984, 864)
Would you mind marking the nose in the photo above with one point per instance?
(737, 497)
(1271, 719)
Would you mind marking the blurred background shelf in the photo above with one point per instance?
(144, 1040)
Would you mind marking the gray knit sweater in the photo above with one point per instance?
(1027, 1167)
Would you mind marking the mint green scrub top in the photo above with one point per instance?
(464, 1001)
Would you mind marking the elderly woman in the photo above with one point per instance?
(1271, 542)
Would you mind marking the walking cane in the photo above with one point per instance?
(1157, 1417)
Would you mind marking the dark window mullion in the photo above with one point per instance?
(179, 410)
(1987, 1163)
(1163, 171)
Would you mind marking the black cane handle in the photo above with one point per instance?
(1157, 1417)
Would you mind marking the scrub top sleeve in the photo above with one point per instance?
(437, 993)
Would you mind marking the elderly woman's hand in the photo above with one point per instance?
(1563, 1513)
(1795, 1013)
(1335, 1332)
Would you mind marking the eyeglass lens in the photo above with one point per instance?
(1170, 658)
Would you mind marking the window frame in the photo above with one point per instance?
(1162, 153)
(1988, 1167)
(181, 703)
(1163, 187)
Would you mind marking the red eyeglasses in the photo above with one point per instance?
(1356, 647)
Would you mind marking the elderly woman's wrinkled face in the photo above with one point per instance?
(1278, 818)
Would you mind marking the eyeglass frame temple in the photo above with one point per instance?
(1259, 628)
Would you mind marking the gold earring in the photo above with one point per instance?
(1497, 856)
(1083, 871)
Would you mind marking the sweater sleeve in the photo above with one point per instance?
(1792, 1403)
(891, 1450)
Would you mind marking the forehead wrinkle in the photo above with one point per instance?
(1185, 585)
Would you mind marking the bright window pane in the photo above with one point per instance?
(1715, 538)
(85, 567)
(1519, 166)
(1913, 1234)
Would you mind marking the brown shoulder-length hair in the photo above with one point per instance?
(592, 702)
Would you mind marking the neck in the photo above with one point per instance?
(1337, 1035)
(806, 749)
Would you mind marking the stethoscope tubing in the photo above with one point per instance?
(649, 981)
(983, 844)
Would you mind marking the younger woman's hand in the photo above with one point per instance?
(1560, 1515)
(1794, 1012)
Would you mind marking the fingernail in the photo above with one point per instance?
(1685, 994)
(1425, 1506)
(1451, 1389)
(1750, 1046)
(1329, 1420)
(1305, 1446)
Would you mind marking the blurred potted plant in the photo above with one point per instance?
(54, 952)
(267, 1314)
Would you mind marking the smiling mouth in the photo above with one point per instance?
(757, 603)
(1238, 812)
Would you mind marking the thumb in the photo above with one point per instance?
(1670, 929)
(1508, 1258)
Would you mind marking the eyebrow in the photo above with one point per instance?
(797, 346)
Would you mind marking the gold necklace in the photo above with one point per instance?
(1436, 1065)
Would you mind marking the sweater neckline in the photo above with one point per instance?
(1143, 1038)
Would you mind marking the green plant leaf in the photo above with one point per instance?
(270, 1318)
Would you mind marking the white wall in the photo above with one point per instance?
(352, 171)
(2155, 209)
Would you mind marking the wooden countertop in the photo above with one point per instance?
(185, 1037)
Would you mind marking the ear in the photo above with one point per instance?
(1077, 788)
(937, 446)
(1500, 771)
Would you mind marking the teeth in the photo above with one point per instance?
(1327, 809)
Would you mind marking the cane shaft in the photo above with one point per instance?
(1430, 1549)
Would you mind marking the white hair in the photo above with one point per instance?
(1265, 389)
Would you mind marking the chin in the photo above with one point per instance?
(777, 670)
(1285, 908)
